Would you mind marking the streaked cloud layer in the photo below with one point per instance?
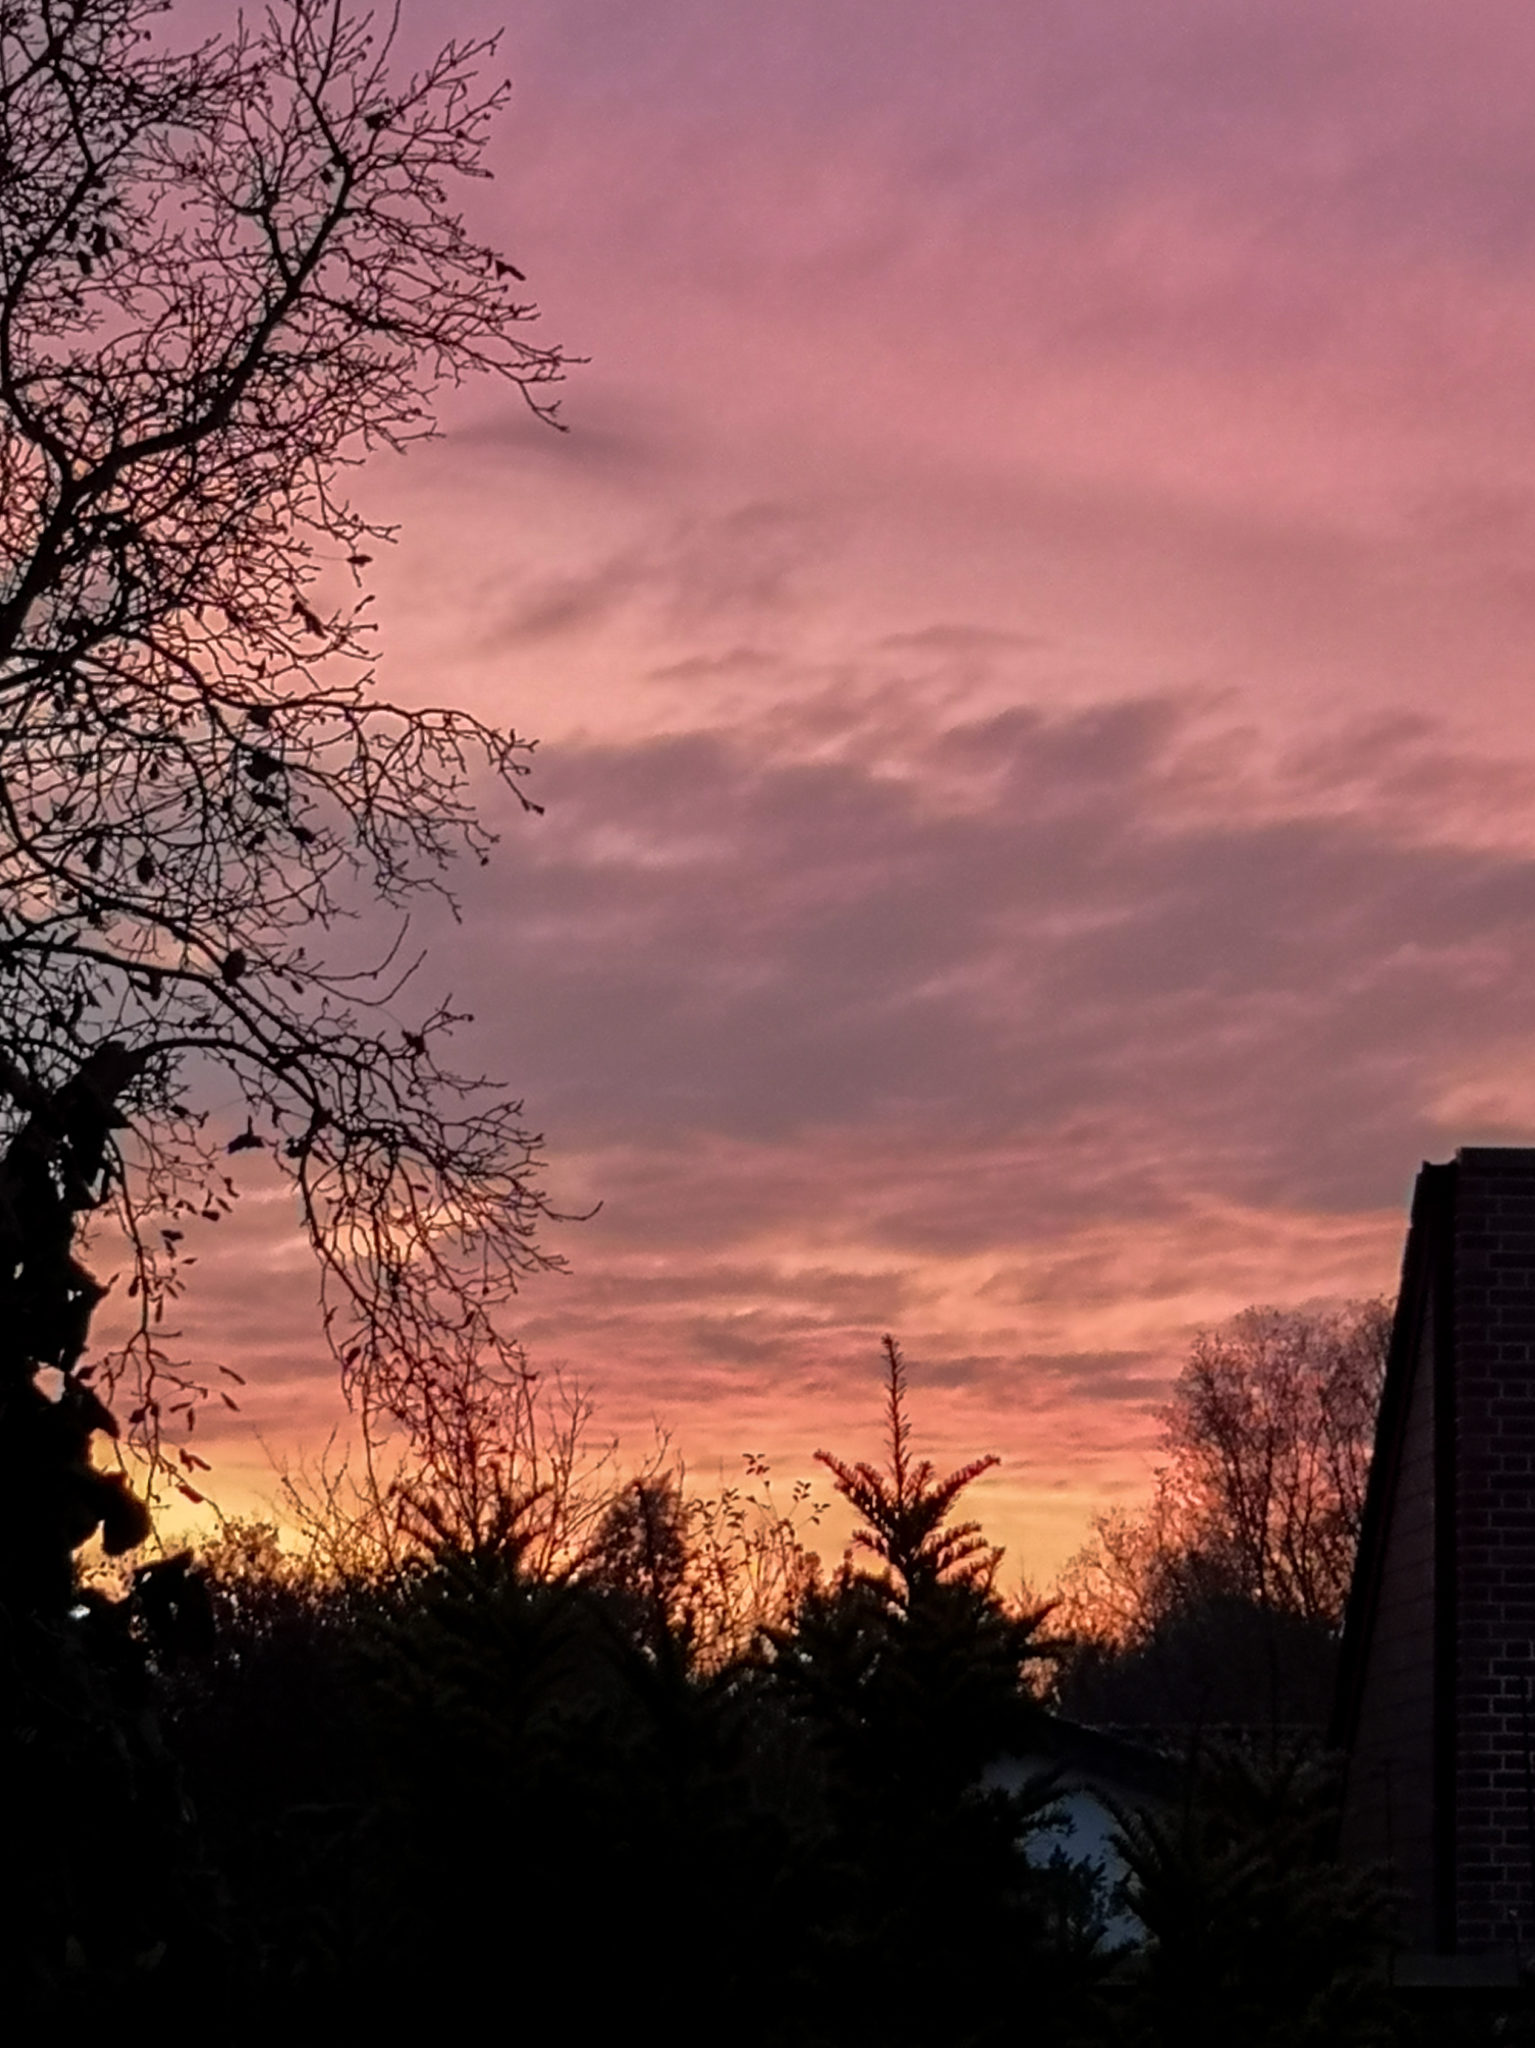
(1032, 637)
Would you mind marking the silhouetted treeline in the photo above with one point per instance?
(468, 1779)
(488, 1786)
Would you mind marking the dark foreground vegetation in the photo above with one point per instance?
(487, 1779)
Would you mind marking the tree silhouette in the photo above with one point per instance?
(1222, 1600)
(906, 1507)
(915, 1667)
(910, 1676)
(228, 273)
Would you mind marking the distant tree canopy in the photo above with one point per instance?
(1232, 1582)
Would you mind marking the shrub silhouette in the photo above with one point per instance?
(422, 1790)
(1257, 1933)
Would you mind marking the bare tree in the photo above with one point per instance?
(506, 1467)
(1269, 1433)
(1271, 1426)
(228, 274)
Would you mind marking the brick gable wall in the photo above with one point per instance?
(1389, 1817)
(1436, 1704)
(1494, 1548)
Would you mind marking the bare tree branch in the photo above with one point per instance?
(227, 275)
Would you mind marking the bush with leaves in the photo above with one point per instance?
(592, 1808)
(1258, 1933)
(705, 1574)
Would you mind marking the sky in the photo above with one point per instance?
(1030, 636)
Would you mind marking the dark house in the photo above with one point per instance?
(1436, 1697)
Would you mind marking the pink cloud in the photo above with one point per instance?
(1017, 1043)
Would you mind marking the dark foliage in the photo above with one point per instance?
(111, 1896)
(1213, 1661)
(1257, 1934)
(52, 1497)
(909, 1680)
(472, 1775)
(477, 1785)
(475, 1779)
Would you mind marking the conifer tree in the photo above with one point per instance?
(906, 1507)
(911, 1675)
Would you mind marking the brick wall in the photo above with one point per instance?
(1436, 1703)
(1494, 1455)
(1389, 1815)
